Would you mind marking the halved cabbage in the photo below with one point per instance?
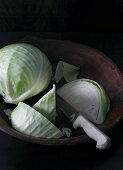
(87, 97)
(47, 105)
(27, 120)
(67, 71)
(24, 72)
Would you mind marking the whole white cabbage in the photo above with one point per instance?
(24, 72)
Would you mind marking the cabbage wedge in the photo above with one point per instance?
(88, 98)
(28, 121)
(67, 71)
(47, 105)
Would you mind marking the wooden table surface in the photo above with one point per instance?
(19, 155)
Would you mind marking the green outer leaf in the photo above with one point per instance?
(66, 70)
(73, 93)
(24, 71)
(27, 120)
(104, 101)
(47, 105)
(104, 107)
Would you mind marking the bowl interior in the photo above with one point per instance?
(93, 65)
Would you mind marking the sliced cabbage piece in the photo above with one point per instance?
(87, 97)
(67, 71)
(27, 120)
(47, 105)
(66, 131)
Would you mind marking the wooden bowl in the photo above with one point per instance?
(94, 65)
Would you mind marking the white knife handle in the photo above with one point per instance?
(103, 141)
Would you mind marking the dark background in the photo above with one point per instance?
(97, 23)
(61, 15)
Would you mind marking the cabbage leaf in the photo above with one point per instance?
(67, 71)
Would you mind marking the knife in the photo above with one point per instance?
(78, 120)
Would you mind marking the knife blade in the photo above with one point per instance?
(78, 120)
(66, 108)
